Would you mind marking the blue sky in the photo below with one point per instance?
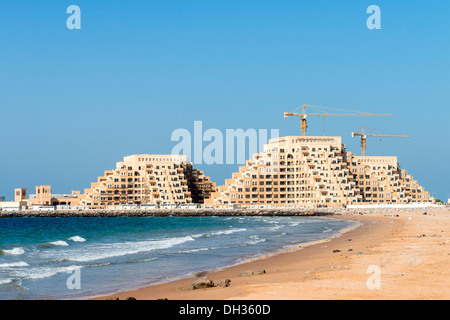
(74, 102)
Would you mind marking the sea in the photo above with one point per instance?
(82, 257)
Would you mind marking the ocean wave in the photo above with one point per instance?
(230, 231)
(77, 239)
(59, 243)
(123, 248)
(252, 240)
(198, 235)
(271, 221)
(279, 235)
(255, 241)
(14, 252)
(54, 244)
(275, 228)
(5, 281)
(12, 284)
(197, 250)
(327, 230)
(44, 272)
(13, 265)
(294, 224)
(218, 233)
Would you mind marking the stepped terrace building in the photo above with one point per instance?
(149, 179)
(302, 171)
(380, 180)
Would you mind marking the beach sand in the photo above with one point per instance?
(408, 254)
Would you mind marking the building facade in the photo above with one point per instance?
(302, 171)
(148, 179)
(20, 194)
(44, 197)
(380, 180)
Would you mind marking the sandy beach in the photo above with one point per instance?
(385, 257)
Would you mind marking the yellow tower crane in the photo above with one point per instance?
(364, 136)
(304, 115)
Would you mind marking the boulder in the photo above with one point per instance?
(223, 283)
(252, 272)
(201, 283)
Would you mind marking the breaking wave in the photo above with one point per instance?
(77, 239)
(13, 265)
(54, 244)
(124, 248)
(14, 252)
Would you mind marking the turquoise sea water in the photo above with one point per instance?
(38, 255)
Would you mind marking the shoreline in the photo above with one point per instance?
(410, 248)
(281, 250)
(178, 288)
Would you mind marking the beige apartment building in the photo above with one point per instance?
(380, 180)
(302, 171)
(149, 179)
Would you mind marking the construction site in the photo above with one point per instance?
(318, 171)
(290, 172)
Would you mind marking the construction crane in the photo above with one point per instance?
(304, 115)
(364, 136)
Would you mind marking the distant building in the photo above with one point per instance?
(380, 180)
(12, 205)
(149, 179)
(20, 194)
(44, 197)
(307, 171)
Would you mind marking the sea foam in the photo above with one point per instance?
(77, 239)
(230, 231)
(14, 252)
(44, 272)
(5, 281)
(119, 249)
(13, 265)
(59, 243)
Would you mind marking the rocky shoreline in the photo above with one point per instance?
(206, 212)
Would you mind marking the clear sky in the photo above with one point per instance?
(74, 102)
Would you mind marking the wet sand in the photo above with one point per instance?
(408, 254)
